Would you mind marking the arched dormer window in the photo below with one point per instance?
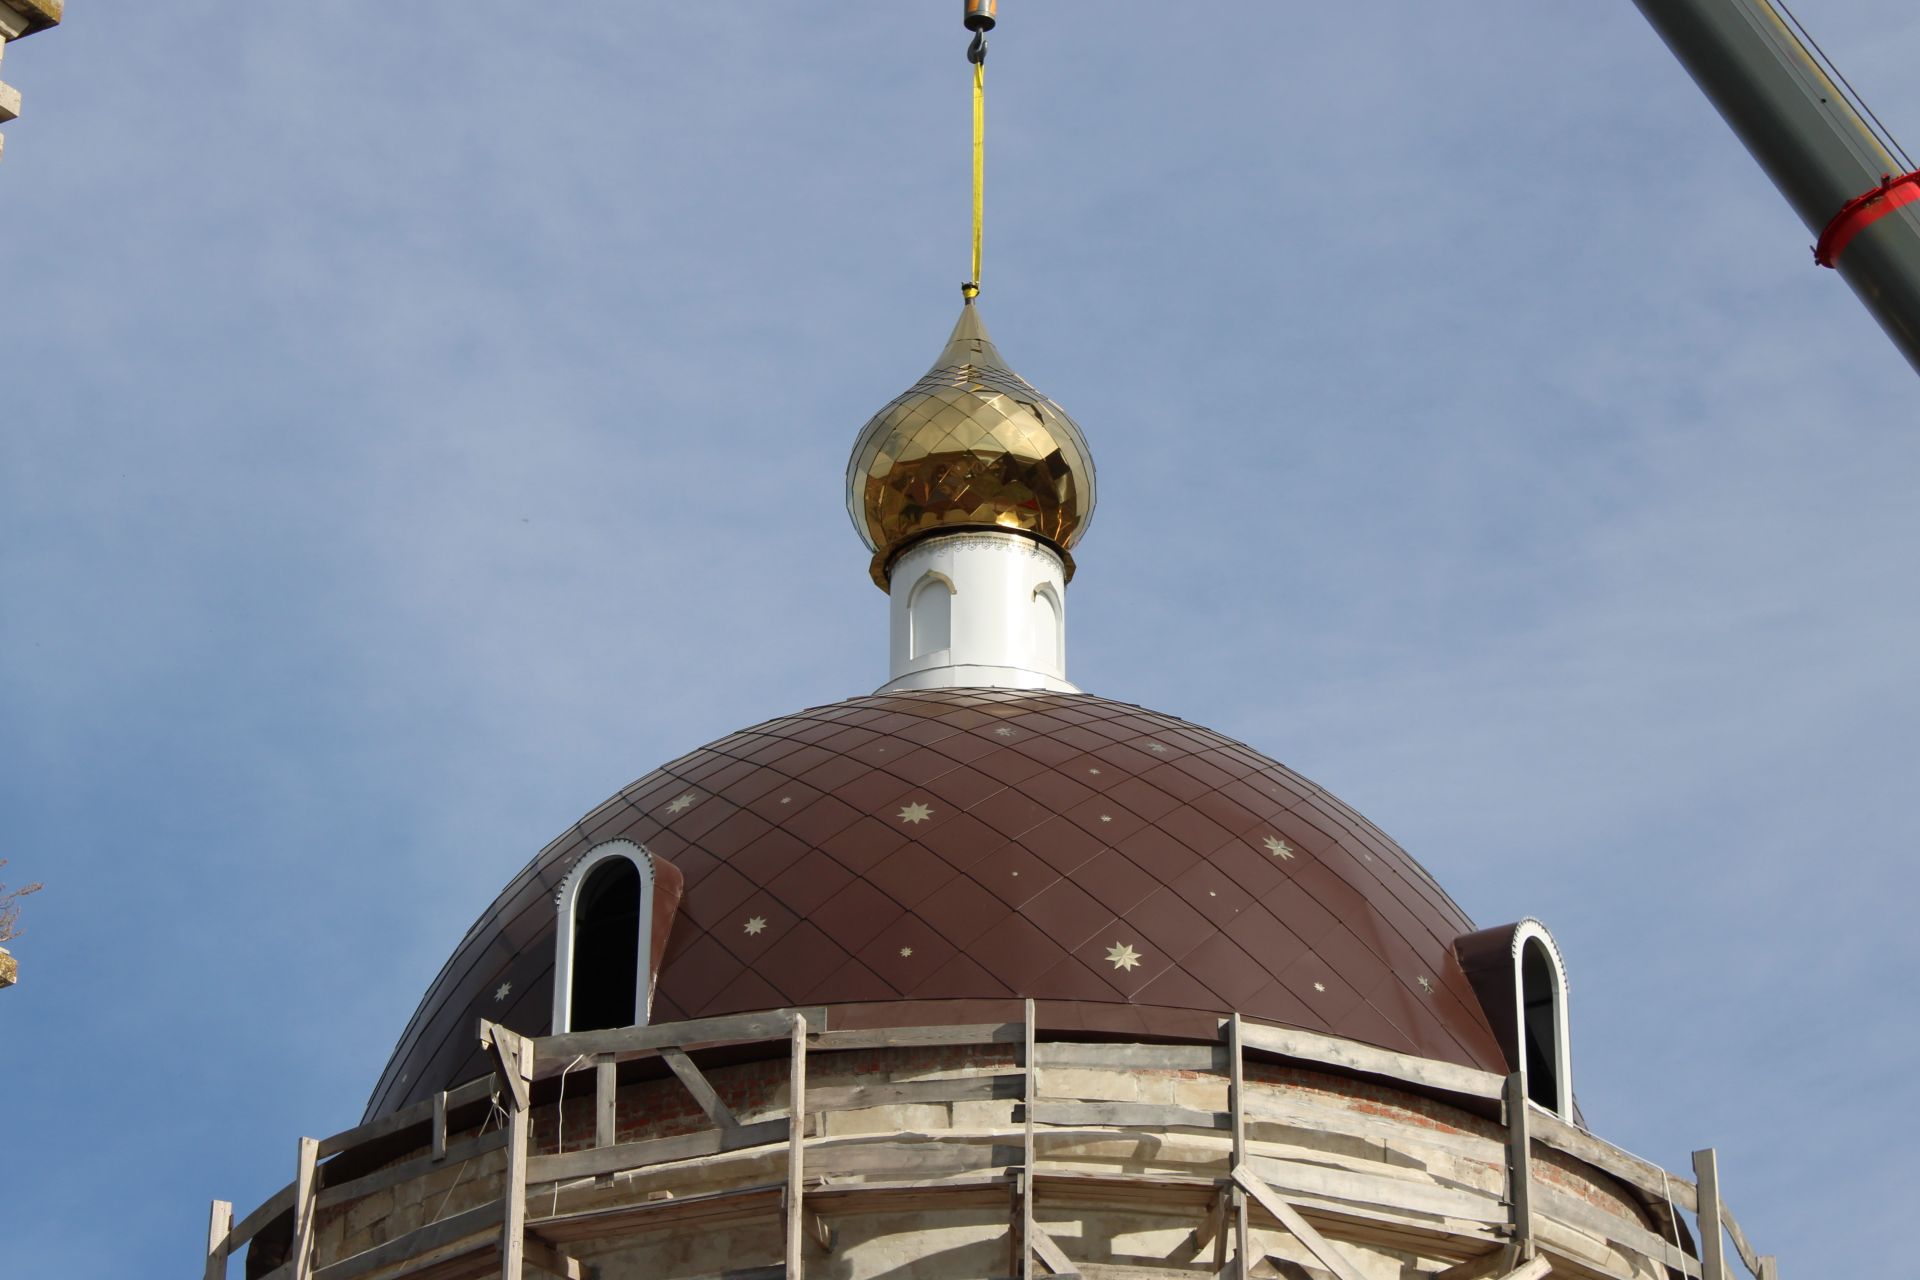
(1540, 989)
(1049, 636)
(1517, 972)
(930, 615)
(603, 942)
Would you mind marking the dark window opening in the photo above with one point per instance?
(1540, 1025)
(606, 947)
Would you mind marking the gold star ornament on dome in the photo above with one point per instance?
(1121, 955)
(915, 813)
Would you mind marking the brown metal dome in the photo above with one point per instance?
(1133, 873)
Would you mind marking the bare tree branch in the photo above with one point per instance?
(10, 907)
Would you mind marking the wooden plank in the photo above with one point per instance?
(1319, 1118)
(405, 1118)
(917, 1037)
(697, 1085)
(1550, 1130)
(1519, 1163)
(982, 1088)
(1769, 1267)
(1403, 1194)
(1560, 1206)
(1533, 1270)
(407, 1170)
(556, 1262)
(505, 1046)
(1051, 1254)
(1739, 1237)
(439, 1144)
(1713, 1258)
(1135, 1057)
(877, 1155)
(1129, 1114)
(219, 1226)
(1497, 1263)
(416, 1244)
(1212, 1228)
(303, 1210)
(1331, 1051)
(1243, 1259)
(690, 1212)
(637, 1155)
(796, 1149)
(731, 1029)
(606, 1088)
(1030, 1062)
(517, 1060)
(422, 1112)
(1289, 1217)
(269, 1209)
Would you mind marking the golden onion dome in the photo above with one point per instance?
(970, 446)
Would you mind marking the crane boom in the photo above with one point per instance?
(1861, 203)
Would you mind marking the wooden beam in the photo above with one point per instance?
(1533, 1270)
(516, 1063)
(440, 1125)
(1149, 1115)
(1550, 1130)
(598, 1161)
(1025, 1182)
(703, 1092)
(606, 1088)
(1213, 1228)
(407, 1170)
(304, 1210)
(254, 1223)
(1519, 1163)
(479, 1222)
(1497, 1263)
(855, 1097)
(1739, 1238)
(557, 1262)
(1122, 1057)
(1237, 1108)
(1289, 1217)
(1769, 1267)
(796, 1148)
(732, 1028)
(1332, 1051)
(917, 1037)
(1713, 1258)
(506, 1048)
(1050, 1253)
(219, 1226)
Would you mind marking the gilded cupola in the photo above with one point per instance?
(972, 445)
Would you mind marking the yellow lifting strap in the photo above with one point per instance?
(972, 288)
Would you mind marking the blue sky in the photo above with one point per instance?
(419, 421)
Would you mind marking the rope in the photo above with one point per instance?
(1881, 134)
(977, 55)
(560, 1126)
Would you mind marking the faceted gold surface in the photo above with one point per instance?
(970, 445)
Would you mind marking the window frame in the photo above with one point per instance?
(566, 902)
(1531, 932)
